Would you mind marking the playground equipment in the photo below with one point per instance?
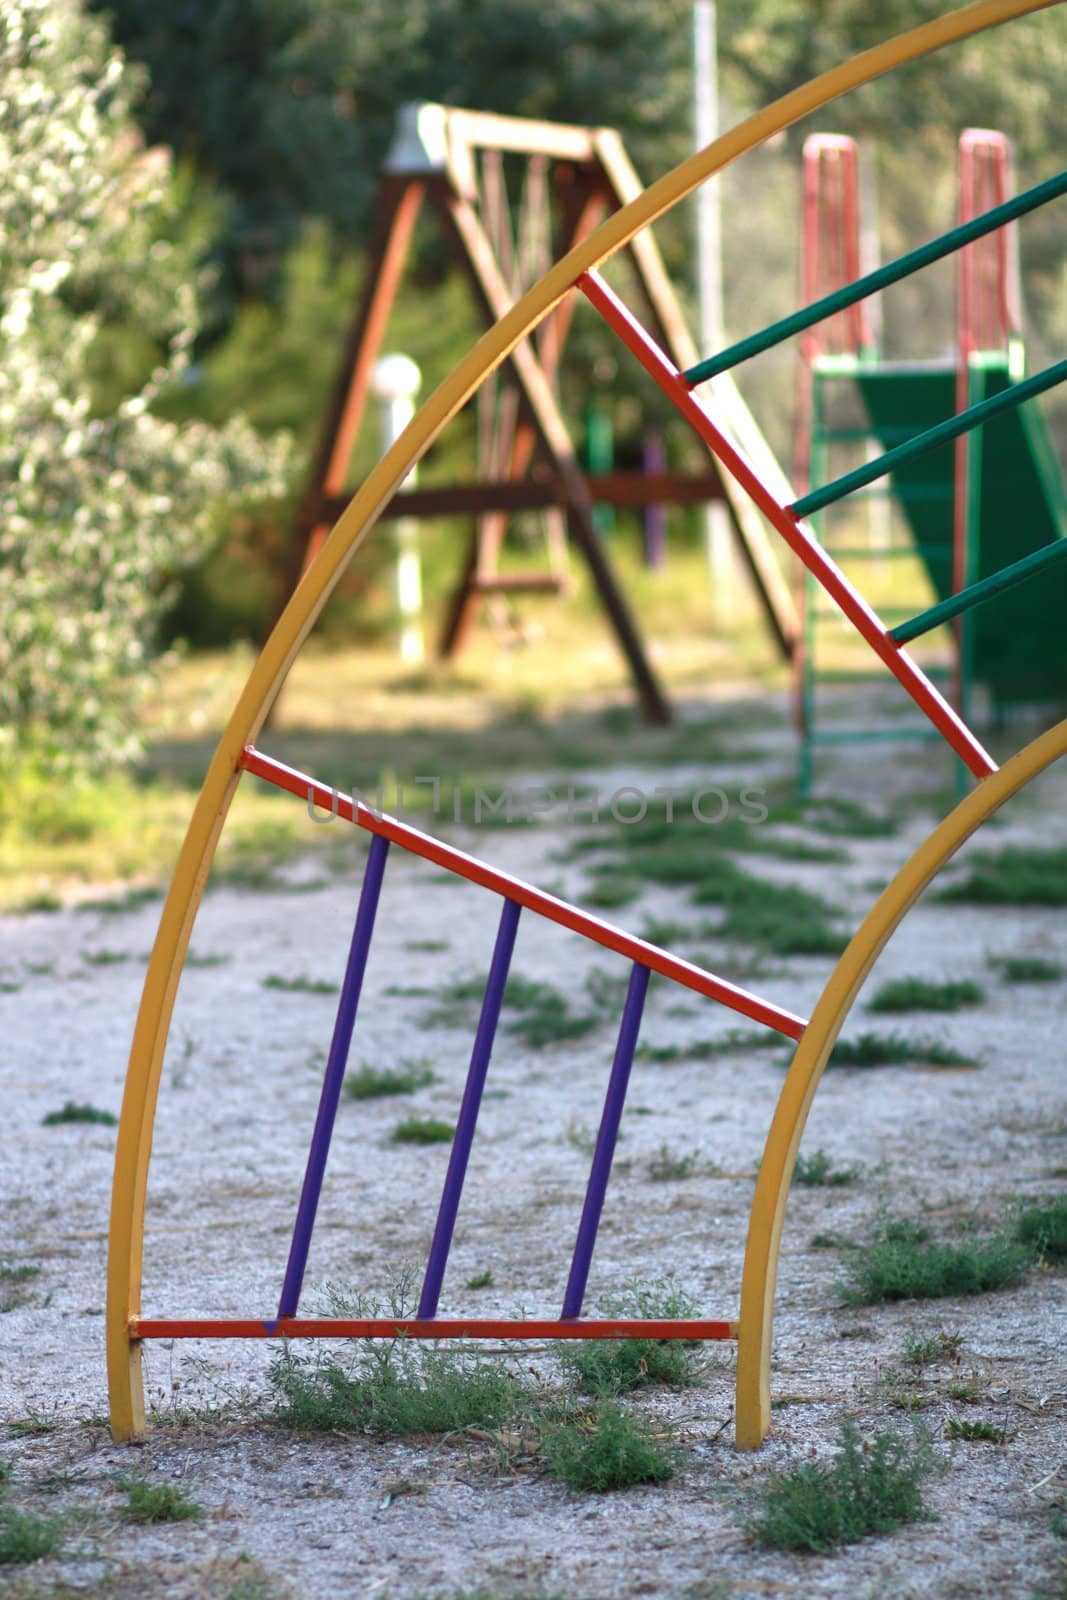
(237, 756)
(571, 178)
(969, 503)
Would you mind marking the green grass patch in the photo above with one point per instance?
(817, 1171)
(105, 958)
(158, 1502)
(612, 890)
(300, 985)
(977, 1432)
(394, 1390)
(25, 1537)
(924, 994)
(375, 1083)
(1012, 877)
(602, 1447)
(544, 1015)
(616, 1366)
(1042, 1228)
(870, 1487)
(481, 1280)
(70, 1111)
(423, 1130)
(903, 1262)
(14, 1276)
(1027, 969)
(895, 1050)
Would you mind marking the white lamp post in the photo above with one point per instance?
(395, 383)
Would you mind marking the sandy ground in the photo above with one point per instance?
(292, 1515)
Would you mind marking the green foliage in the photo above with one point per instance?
(903, 1262)
(925, 994)
(423, 1130)
(72, 1112)
(373, 1083)
(103, 498)
(893, 1049)
(14, 1276)
(1027, 969)
(158, 1502)
(868, 1488)
(1012, 876)
(616, 1366)
(604, 1447)
(393, 1390)
(299, 985)
(481, 1280)
(818, 1171)
(25, 1537)
(1043, 1229)
(983, 1432)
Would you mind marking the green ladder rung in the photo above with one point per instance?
(977, 594)
(939, 434)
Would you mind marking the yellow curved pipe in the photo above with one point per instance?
(776, 1168)
(133, 1148)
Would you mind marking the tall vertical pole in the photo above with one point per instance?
(395, 382)
(709, 282)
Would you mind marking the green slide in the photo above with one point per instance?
(1019, 638)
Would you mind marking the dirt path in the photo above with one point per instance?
(345, 1516)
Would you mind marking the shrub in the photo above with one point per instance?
(393, 1390)
(158, 1502)
(902, 1262)
(615, 1366)
(605, 1448)
(867, 1488)
(1043, 1229)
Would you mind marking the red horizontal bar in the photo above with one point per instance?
(545, 905)
(799, 539)
(427, 1328)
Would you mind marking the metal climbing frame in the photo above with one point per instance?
(236, 758)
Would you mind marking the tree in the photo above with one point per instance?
(98, 507)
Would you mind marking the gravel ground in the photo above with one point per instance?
(349, 1516)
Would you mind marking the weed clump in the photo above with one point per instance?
(893, 1049)
(903, 1262)
(868, 1488)
(70, 1111)
(1014, 877)
(374, 1083)
(923, 994)
(1043, 1229)
(817, 1171)
(24, 1537)
(604, 1447)
(423, 1130)
(158, 1502)
(609, 1367)
(1027, 969)
(394, 1390)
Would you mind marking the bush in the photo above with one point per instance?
(605, 1448)
(902, 1262)
(103, 500)
(394, 1390)
(867, 1488)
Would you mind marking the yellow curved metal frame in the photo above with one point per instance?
(133, 1149)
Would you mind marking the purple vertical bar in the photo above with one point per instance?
(606, 1139)
(334, 1076)
(655, 460)
(468, 1111)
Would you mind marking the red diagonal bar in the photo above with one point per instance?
(796, 535)
(426, 1328)
(545, 905)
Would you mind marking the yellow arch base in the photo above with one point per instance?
(776, 1169)
(133, 1149)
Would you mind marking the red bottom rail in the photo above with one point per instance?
(437, 1328)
